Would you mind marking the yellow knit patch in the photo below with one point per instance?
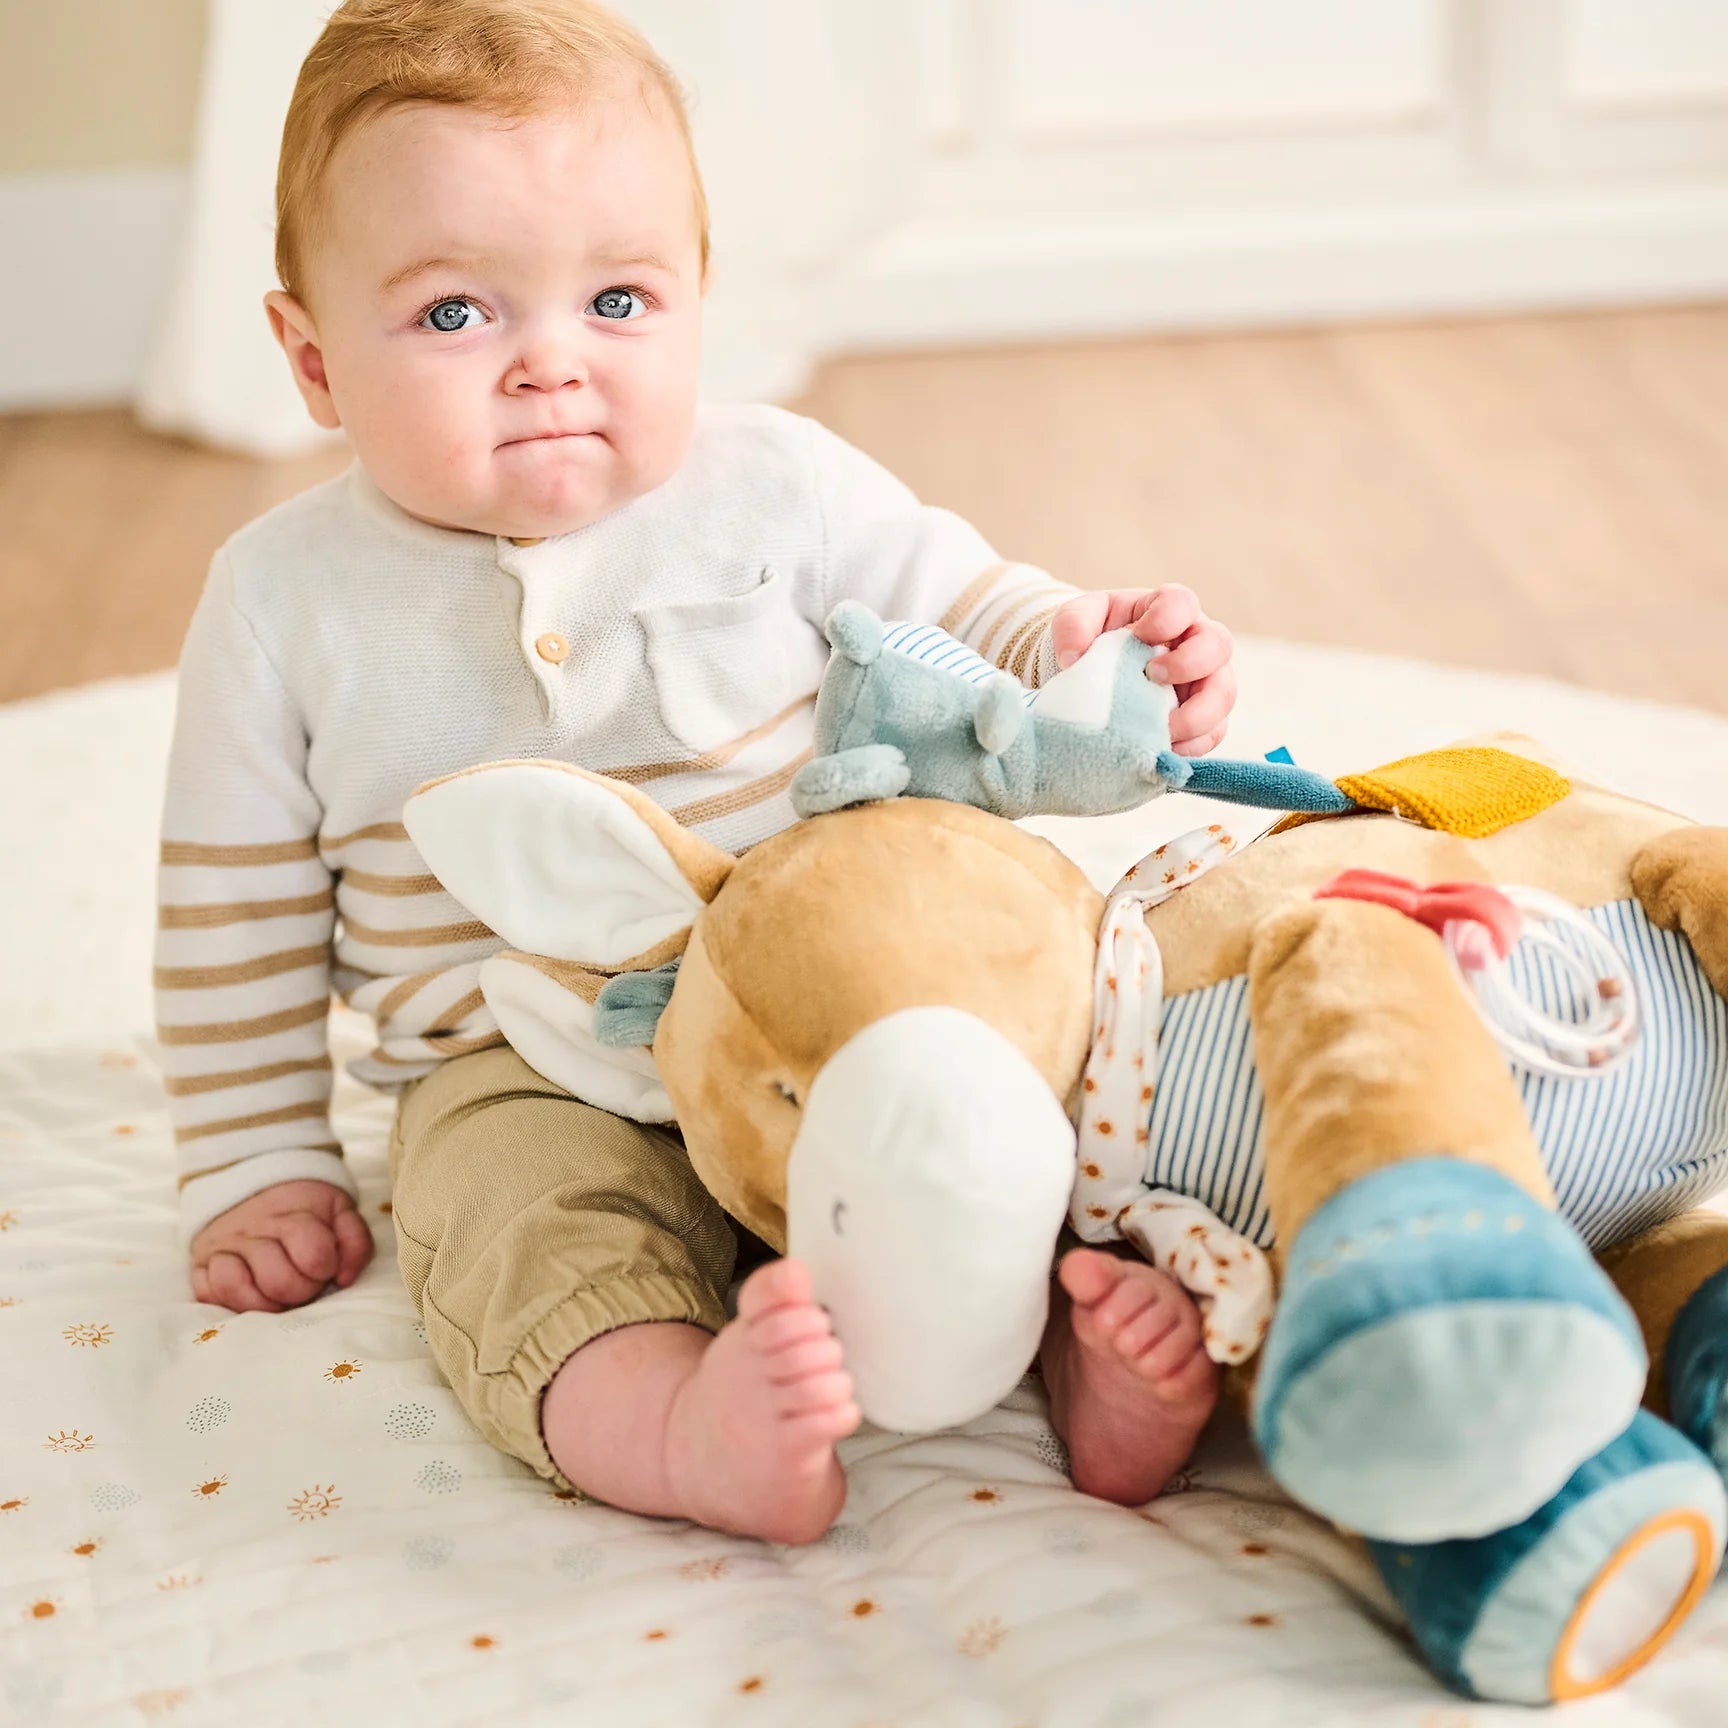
(1469, 790)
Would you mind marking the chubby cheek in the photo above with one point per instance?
(421, 434)
(651, 407)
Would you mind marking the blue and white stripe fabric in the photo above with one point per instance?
(936, 647)
(1625, 1150)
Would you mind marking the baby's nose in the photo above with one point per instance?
(546, 365)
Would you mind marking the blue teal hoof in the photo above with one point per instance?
(1582, 1593)
(1696, 1368)
(1445, 1354)
(858, 776)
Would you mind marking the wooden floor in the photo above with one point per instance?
(1544, 494)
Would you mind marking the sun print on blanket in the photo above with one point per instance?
(160, 1702)
(314, 1502)
(69, 1440)
(705, 1571)
(982, 1638)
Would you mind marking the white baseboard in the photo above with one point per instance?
(95, 253)
(1421, 254)
(89, 256)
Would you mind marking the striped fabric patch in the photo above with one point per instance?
(937, 648)
(1625, 1151)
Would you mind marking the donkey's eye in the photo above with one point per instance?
(786, 1092)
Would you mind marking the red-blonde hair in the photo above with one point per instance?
(512, 58)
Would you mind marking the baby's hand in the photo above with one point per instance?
(279, 1248)
(1196, 658)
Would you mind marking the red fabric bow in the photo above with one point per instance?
(1437, 906)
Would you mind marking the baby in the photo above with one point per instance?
(493, 245)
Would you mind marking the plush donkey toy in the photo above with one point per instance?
(1485, 1093)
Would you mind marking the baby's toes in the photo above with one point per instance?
(1148, 1332)
(787, 1328)
(800, 1361)
(779, 1284)
(1089, 1276)
(1191, 1376)
(817, 1392)
(1140, 1294)
(821, 1427)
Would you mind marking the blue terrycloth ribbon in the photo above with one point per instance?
(1268, 785)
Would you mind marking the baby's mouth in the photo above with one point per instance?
(547, 438)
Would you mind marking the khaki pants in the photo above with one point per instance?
(528, 1223)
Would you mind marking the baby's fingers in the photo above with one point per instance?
(1206, 649)
(1205, 708)
(1078, 625)
(311, 1246)
(353, 1245)
(230, 1283)
(1167, 612)
(276, 1275)
(1203, 745)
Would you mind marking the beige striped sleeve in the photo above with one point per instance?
(246, 911)
(1004, 613)
(916, 562)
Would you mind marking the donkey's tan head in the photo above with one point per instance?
(884, 1009)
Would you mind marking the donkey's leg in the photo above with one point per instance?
(1676, 1278)
(1581, 1593)
(1681, 880)
(1445, 1352)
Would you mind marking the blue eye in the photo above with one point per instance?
(618, 303)
(449, 316)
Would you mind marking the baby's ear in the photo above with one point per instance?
(566, 863)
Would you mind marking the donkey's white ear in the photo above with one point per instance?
(565, 863)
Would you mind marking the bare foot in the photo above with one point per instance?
(1131, 1385)
(736, 1431)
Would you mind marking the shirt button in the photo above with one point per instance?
(551, 647)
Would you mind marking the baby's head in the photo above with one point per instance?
(493, 245)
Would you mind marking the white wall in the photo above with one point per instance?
(901, 172)
(1113, 165)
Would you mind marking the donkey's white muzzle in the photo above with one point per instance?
(925, 1192)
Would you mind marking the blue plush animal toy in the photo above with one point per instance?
(905, 709)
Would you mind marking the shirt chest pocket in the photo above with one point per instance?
(726, 666)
